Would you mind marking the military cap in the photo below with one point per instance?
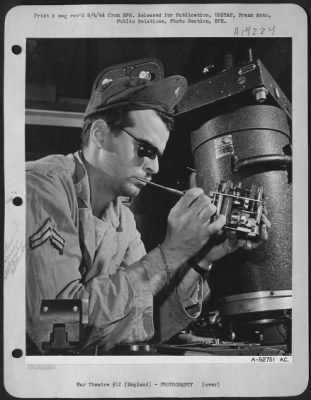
(136, 93)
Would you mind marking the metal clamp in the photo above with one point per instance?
(266, 162)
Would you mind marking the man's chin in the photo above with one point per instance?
(131, 191)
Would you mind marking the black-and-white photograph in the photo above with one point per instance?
(155, 173)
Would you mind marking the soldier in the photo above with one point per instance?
(83, 242)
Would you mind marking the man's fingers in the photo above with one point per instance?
(200, 203)
(196, 203)
(266, 221)
(265, 227)
(247, 244)
(264, 234)
(232, 239)
(190, 196)
(207, 212)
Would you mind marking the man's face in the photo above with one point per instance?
(133, 153)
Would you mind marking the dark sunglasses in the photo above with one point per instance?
(144, 149)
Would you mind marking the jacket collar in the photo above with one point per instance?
(82, 187)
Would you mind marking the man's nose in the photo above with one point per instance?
(152, 166)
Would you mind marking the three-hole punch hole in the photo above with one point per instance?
(17, 201)
(16, 49)
(17, 353)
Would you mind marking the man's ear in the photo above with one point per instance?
(98, 132)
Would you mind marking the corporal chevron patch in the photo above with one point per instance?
(47, 232)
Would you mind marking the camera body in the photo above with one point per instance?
(242, 207)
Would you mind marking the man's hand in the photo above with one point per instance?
(189, 227)
(233, 243)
